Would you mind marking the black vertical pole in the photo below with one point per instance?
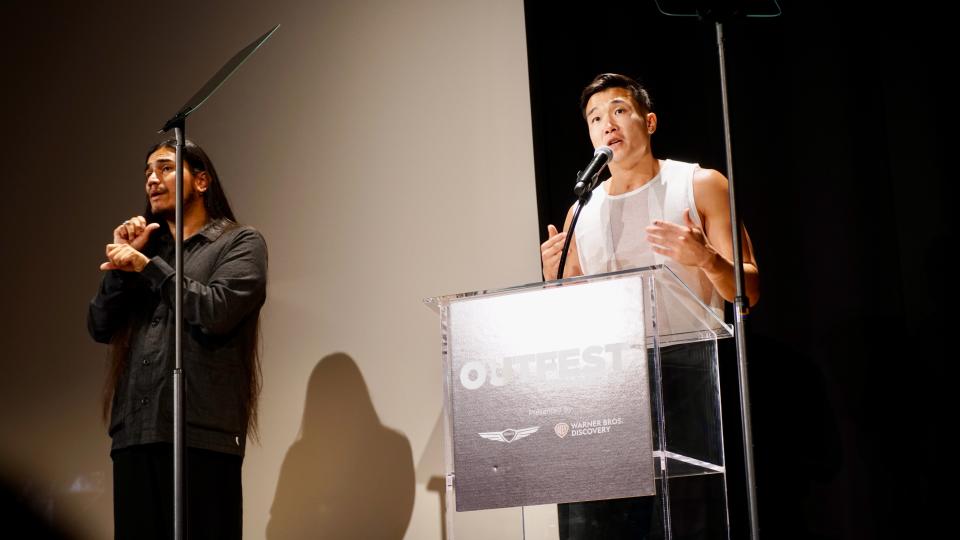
(178, 390)
(741, 305)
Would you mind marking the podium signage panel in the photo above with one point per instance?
(549, 397)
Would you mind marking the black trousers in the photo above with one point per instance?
(696, 504)
(143, 493)
(616, 519)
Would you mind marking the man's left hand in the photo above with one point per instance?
(124, 257)
(686, 244)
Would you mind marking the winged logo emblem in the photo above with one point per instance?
(509, 435)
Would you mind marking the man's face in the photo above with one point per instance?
(161, 183)
(615, 120)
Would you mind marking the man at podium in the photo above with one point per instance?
(649, 211)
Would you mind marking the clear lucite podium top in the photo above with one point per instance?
(683, 317)
(577, 406)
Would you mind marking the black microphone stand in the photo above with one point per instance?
(178, 124)
(718, 11)
(582, 199)
(741, 305)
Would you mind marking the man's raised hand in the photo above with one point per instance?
(550, 252)
(135, 232)
(686, 244)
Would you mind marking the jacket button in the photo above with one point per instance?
(144, 401)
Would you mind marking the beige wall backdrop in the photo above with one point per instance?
(383, 148)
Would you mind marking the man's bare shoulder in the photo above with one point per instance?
(710, 192)
(709, 179)
(709, 186)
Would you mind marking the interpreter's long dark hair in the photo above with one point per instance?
(218, 207)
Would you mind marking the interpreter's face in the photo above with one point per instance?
(615, 120)
(161, 182)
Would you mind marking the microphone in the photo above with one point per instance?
(584, 180)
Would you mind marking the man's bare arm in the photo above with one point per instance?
(713, 201)
(710, 248)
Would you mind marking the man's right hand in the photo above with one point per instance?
(135, 232)
(550, 252)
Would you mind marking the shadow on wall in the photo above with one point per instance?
(347, 476)
(438, 485)
(430, 471)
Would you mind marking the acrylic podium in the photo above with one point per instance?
(583, 408)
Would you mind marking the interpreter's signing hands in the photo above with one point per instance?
(128, 239)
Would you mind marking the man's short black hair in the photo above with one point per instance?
(606, 81)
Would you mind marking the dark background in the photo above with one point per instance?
(839, 121)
